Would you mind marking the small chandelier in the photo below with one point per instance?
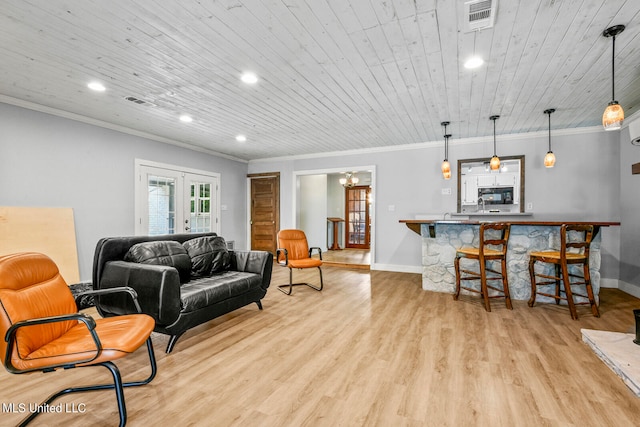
(495, 160)
(550, 158)
(614, 114)
(349, 180)
(446, 166)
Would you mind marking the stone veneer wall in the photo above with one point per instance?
(438, 253)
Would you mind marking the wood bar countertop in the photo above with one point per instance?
(415, 224)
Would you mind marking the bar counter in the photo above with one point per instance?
(441, 239)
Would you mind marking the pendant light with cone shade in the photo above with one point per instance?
(446, 166)
(614, 114)
(495, 160)
(550, 158)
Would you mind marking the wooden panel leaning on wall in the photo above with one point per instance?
(50, 231)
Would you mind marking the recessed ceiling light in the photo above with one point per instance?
(97, 86)
(185, 118)
(241, 138)
(249, 78)
(473, 62)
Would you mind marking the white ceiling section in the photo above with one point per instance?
(333, 75)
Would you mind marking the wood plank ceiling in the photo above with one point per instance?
(334, 75)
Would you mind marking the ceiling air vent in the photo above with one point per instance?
(137, 101)
(479, 14)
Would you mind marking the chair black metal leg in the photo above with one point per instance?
(118, 385)
(290, 286)
(321, 283)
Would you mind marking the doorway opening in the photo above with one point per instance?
(320, 200)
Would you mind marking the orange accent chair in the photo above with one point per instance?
(575, 240)
(294, 252)
(492, 247)
(43, 331)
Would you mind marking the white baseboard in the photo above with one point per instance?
(604, 282)
(609, 283)
(397, 268)
(629, 288)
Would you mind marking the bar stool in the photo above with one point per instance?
(574, 249)
(498, 236)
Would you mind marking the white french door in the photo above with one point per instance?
(172, 200)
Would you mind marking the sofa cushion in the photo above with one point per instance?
(209, 255)
(207, 291)
(163, 252)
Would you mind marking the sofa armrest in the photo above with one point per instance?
(157, 286)
(258, 262)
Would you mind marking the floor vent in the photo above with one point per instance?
(480, 14)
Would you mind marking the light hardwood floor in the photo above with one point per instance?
(372, 349)
(347, 258)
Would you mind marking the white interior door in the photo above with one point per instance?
(170, 200)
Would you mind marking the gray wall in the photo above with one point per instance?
(629, 216)
(583, 185)
(312, 205)
(49, 161)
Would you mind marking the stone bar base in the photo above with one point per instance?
(438, 253)
(619, 352)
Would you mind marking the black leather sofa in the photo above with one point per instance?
(179, 291)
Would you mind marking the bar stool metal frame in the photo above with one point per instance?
(484, 254)
(572, 252)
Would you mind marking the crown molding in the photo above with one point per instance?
(429, 144)
(123, 129)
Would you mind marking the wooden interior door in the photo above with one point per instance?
(357, 227)
(265, 211)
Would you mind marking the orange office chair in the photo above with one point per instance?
(294, 252)
(42, 330)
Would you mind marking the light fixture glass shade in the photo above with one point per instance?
(549, 159)
(613, 116)
(349, 180)
(495, 163)
(446, 169)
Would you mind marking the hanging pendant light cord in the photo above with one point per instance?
(549, 114)
(494, 118)
(446, 147)
(613, 70)
(494, 136)
(446, 140)
(613, 32)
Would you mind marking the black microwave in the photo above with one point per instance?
(496, 195)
